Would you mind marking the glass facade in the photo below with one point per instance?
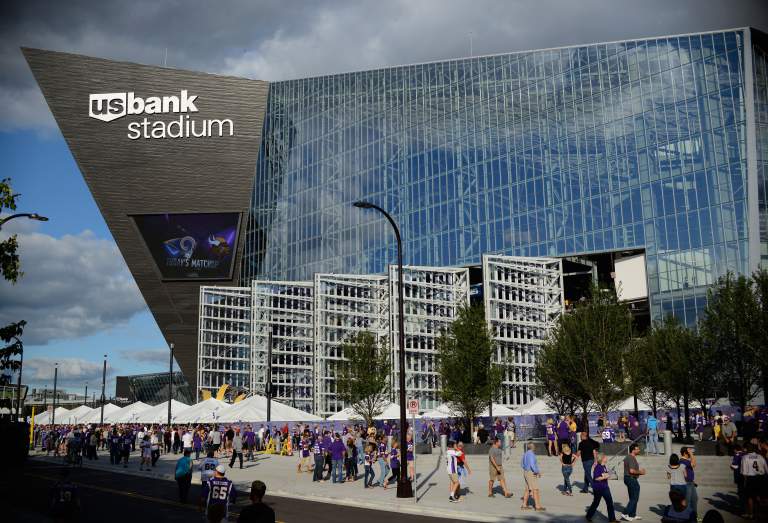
(631, 145)
(152, 389)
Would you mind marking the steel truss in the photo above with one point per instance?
(523, 300)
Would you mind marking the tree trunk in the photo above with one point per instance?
(585, 417)
(654, 403)
(634, 397)
(679, 425)
(686, 399)
(764, 372)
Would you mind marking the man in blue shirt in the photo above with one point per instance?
(652, 426)
(531, 474)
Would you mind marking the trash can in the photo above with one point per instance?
(443, 443)
(667, 442)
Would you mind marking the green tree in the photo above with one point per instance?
(585, 353)
(469, 379)
(10, 267)
(728, 326)
(645, 365)
(363, 377)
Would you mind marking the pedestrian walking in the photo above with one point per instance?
(257, 511)
(652, 433)
(146, 453)
(688, 462)
(587, 453)
(236, 445)
(394, 463)
(337, 450)
(370, 458)
(208, 467)
(496, 468)
(382, 460)
(216, 495)
(531, 475)
(183, 476)
(452, 465)
(676, 475)
(567, 459)
(632, 471)
(600, 490)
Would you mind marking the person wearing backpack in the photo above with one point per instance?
(184, 475)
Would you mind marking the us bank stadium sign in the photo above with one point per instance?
(108, 107)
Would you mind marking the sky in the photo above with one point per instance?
(77, 295)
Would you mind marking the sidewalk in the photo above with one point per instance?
(279, 473)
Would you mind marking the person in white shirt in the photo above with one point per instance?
(186, 440)
(452, 467)
(754, 471)
(208, 467)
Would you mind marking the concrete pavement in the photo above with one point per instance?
(279, 473)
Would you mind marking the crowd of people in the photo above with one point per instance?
(372, 453)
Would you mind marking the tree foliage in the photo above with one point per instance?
(363, 377)
(11, 336)
(10, 267)
(466, 352)
(730, 321)
(760, 330)
(584, 356)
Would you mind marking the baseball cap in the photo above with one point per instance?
(221, 470)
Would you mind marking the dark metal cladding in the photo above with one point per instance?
(160, 175)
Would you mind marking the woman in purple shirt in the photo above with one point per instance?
(409, 458)
(382, 459)
(550, 431)
(394, 463)
(601, 490)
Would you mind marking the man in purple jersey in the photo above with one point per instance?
(338, 451)
(216, 496)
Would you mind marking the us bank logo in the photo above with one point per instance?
(108, 107)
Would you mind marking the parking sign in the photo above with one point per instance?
(413, 407)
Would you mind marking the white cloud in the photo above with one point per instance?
(146, 356)
(74, 373)
(73, 286)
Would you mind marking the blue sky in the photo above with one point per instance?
(77, 295)
(45, 174)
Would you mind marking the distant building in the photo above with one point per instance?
(153, 388)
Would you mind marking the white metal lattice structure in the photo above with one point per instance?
(431, 300)
(224, 338)
(523, 300)
(344, 306)
(286, 311)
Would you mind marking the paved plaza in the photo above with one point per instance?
(716, 489)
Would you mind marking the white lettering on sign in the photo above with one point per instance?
(108, 107)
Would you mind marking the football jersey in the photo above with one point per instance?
(207, 468)
(753, 465)
(219, 491)
(608, 435)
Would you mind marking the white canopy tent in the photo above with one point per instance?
(391, 411)
(95, 415)
(76, 414)
(628, 405)
(442, 411)
(159, 413)
(127, 414)
(536, 407)
(45, 419)
(254, 409)
(500, 411)
(207, 411)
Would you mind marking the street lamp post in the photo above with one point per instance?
(18, 389)
(103, 385)
(170, 385)
(55, 382)
(404, 487)
(30, 215)
(85, 395)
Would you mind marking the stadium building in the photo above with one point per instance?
(516, 179)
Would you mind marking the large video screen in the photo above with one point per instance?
(191, 246)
